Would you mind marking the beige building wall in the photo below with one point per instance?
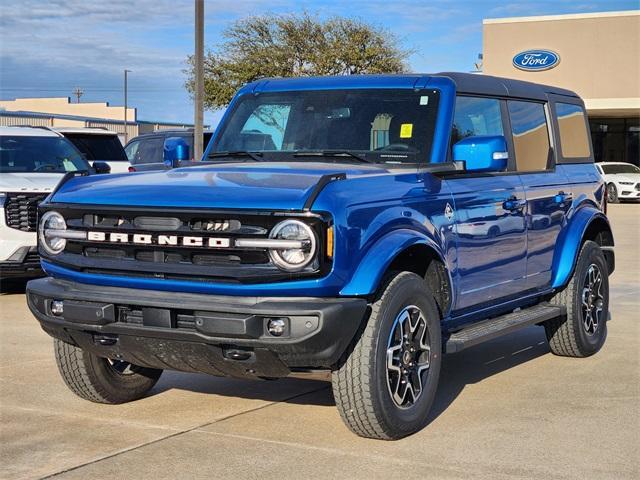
(599, 55)
(63, 106)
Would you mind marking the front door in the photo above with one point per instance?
(491, 238)
(489, 214)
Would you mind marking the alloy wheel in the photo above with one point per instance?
(408, 356)
(120, 367)
(592, 300)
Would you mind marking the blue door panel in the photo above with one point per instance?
(491, 239)
(548, 201)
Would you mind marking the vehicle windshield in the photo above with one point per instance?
(620, 168)
(98, 147)
(382, 125)
(39, 154)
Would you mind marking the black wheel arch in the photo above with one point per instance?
(425, 262)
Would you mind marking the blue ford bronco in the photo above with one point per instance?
(363, 225)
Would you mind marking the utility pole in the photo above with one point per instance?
(199, 97)
(126, 129)
(78, 92)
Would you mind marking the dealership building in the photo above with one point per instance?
(596, 55)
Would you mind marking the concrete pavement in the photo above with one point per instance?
(505, 409)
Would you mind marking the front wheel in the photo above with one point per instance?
(385, 387)
(102, 380)
(583, 330)
(612, 193)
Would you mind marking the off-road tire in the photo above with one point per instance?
(360, 384)
(567, 335)
(612, 193)
(94, 379)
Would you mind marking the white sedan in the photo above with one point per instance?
(622, 180)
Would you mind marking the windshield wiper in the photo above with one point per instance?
(333, 153)
(238, 153)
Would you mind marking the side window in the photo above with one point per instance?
(476, 116)
(530, 135)
(574, 141)
(149, 151)
(131, 149)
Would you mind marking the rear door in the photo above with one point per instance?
(547, 189)
(489, 214)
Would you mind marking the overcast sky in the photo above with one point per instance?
(49, 47)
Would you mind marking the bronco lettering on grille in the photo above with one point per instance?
(148, 239)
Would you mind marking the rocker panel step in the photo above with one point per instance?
(498, 326)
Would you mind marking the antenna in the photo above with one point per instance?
(78, 92)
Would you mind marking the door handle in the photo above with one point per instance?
(514, 204)
(562, 197)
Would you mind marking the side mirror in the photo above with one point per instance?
(482, 153)
(176, 150)
(101, 167)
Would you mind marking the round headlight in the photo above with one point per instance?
(293, 259)
(49, 223)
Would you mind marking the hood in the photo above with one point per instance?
(258, 186)
(29, 182)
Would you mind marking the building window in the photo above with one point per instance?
(616, 139)
(530, 135)
(380, 131)
(574, 142)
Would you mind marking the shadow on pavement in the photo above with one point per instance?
(466, 368)
(12, 286)
(485, 360)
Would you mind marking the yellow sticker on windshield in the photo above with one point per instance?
(406, 130)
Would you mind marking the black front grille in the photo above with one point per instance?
(175, 262)
(21, 210)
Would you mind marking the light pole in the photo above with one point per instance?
(199, 96)
(126, 129)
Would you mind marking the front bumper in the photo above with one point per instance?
(219, 335)
(23, 263)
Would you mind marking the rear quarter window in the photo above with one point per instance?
(572, 123)
(99, 147)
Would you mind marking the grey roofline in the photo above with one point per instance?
(489, 85)
(472, 83)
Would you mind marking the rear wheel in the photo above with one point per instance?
(612, 193)
(102, 380)
(385, 387)
(584, 329)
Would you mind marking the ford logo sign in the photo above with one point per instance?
(536, 60)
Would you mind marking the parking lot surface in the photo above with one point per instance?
(505, 409)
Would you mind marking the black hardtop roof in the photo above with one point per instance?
(471, 83)
(481, 84)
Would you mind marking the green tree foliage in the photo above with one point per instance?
(294, 46)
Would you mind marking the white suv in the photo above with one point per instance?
(32, 162)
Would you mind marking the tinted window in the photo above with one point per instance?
(386, 125)
(98, 147)
(620, 168)
(148, 150)
(530, 135)
(476, 116)
(39, 154)
(574, 141)
(131, 149)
